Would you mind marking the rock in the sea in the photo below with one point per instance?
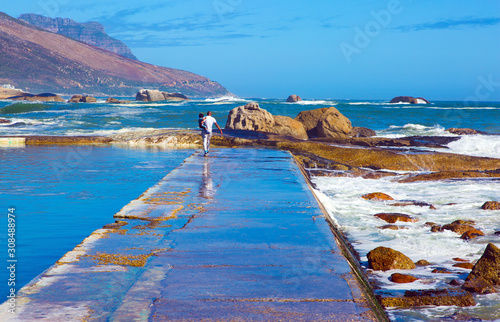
(285, 125)
(377, 196)
(293, 98)
(310, 120)
(394, 217)
(409, 99)
(491, 205)
(174, 96)
(488, 266)
(4, 121)
(403, 278)
(446, 297)
(436, 228)
(478, 285)
(464, 265)
(404, 203)
(333, 124)
(470, 234)
(459, 131)
(88, 99)
(153, 95)
(44, 97)
(113, 100)
(362, 132)
(75, 99)
(250, 117)
(422, 262)
(457, 227)
(393, 227)
(441, 270)
(384, 259)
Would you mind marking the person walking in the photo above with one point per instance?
(206, 133)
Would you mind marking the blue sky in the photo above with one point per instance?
(440, 50)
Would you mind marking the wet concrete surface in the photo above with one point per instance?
(236, 236)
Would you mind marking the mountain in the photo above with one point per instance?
(37, 60)
(91, 33)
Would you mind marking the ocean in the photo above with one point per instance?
(62, 194)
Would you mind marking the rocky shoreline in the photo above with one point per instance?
(332, 150)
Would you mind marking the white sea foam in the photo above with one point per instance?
(342, 198)
(411, 129)
(314, 102)
(228, 99)
(477, 145)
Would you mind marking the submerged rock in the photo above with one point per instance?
(394, 217)
(422, 262)
(5, 121)
(491, 205)
(404, 203)
(377, 196)
(113, 100)
(393, 227)
(384, 259)
(446, 297)
(487, 267)
(293, 98)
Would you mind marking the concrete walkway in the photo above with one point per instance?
(237, 236)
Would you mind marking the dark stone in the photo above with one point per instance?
(422, 262)
(407, 99)
(478, 285)
(362, 132)
(488, 266)
(470, 234)
(491, 205)
(446, 297)
(463, 131)
(4, 121)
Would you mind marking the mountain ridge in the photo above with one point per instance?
(92, 33)
(36, 60)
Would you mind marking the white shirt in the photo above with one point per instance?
(209, 122)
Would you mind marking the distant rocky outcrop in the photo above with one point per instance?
(485, 273)
(409, 99)
(463, 131)
(149, 95)
(44, 97)
(91, 33)
(82, 99)
(8, 92)
(113, 100)
(293, 98)
(384, 259)
(59, 64)
(5, 121)
(325, 122)
(252, 117)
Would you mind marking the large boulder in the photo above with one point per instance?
(285, 125)
(44, 97)
(75, 99)
(487, 268)
(310, 120)
(293, 98)
(458, 227)
(333, 124)
(174, 96)
(384, 259)
(250, 117)
(113, 100)
(409, 99)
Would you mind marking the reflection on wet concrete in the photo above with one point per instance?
(237, 236)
